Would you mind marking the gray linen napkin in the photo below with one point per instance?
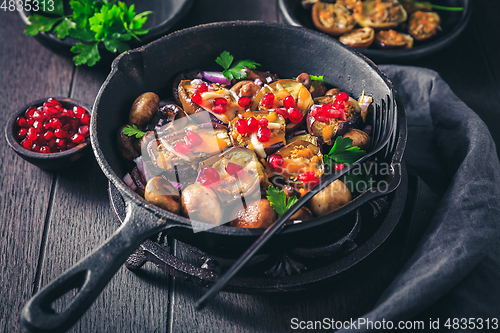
(455, 270)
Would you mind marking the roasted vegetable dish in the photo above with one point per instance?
(379, 24)
(241, 146)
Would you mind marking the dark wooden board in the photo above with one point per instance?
(27, 72)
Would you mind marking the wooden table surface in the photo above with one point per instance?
(51, 220)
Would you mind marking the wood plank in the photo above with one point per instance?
(82, 219)
(27, 72)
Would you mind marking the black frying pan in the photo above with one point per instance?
(278, 48)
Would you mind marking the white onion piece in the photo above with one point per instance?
(140, 166)
(273, 126)
(196, 82)
(257, 145)
(216, 77)
(258, 82)
(130, 183)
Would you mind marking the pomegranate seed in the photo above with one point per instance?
(181, 148)
(52, 144)
(50, 111)
(35, 147)
(220, 101)
(307, 176)
(60, 143)
(242, 126)
(232, 168)
(60, 133)
(316, 111)
(77, 138)
(22, 133)
(31, 134)
(85, 119)
(325, 108)
(65, 113)
(39, 115)
(334, 113)
(38, 126)
(21, 122)
(315, 181)
(29, 112)
(219, 109)
(208, 176)
(45, 150)
(49, 135)
(244, 102)
(202, 88)
(342, 115)
(339, 166)
(75, 123)
(253, 125)
(275, 161)
(67, 128)
(322, 118)
(263, 122)
(263, 134)
(78, 111)
(84, 131)
(289, 102)
(52, 101)
(338, 104)
(268, 100)
(282, 112)
(295, 115)
(196, 98)
(55, 123)
(26, 144)
(30, 122)
(343, 96)
(192, 139)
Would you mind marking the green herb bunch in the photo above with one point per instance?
(92, 22)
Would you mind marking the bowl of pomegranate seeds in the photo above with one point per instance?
(50, 133)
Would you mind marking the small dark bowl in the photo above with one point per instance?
(52, 161)
(452, 25)
(165, 15)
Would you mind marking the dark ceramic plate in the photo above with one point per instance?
(452, 24)
(165, 15)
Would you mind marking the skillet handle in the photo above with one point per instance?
(90, 275)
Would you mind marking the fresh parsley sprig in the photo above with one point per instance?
(317, 78)
(342, 152)
(92, 22)
(277, 199)
(238, 70)
(131, 130)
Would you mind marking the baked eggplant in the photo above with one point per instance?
(423, 25)
(332, 18)
(359, 38)
(272, 97)
(380, 14)
(393, 40)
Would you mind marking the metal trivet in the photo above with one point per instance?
(289, 270)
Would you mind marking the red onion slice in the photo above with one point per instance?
(216, 77)
(130, 183)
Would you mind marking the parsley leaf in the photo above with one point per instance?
(317, 78)
(341, 153)
(133, 130)
(62, 29)
(86, 54)
(278, 201)
(52, 7)
(40, 24)
(225, 60)
(238, 70)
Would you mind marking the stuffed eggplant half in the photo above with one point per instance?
(240, 147)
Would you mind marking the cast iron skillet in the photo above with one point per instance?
(452, 25)
(281, 49)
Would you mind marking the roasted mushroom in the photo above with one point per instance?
(257, 214)
(200, 203)
(359, 38)
(126, 145)
(423, 25)
(330, 198)
(359, 138)
(161, 193)
(333, 19)
(144, 108)
(391, 40)
(379, 14)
